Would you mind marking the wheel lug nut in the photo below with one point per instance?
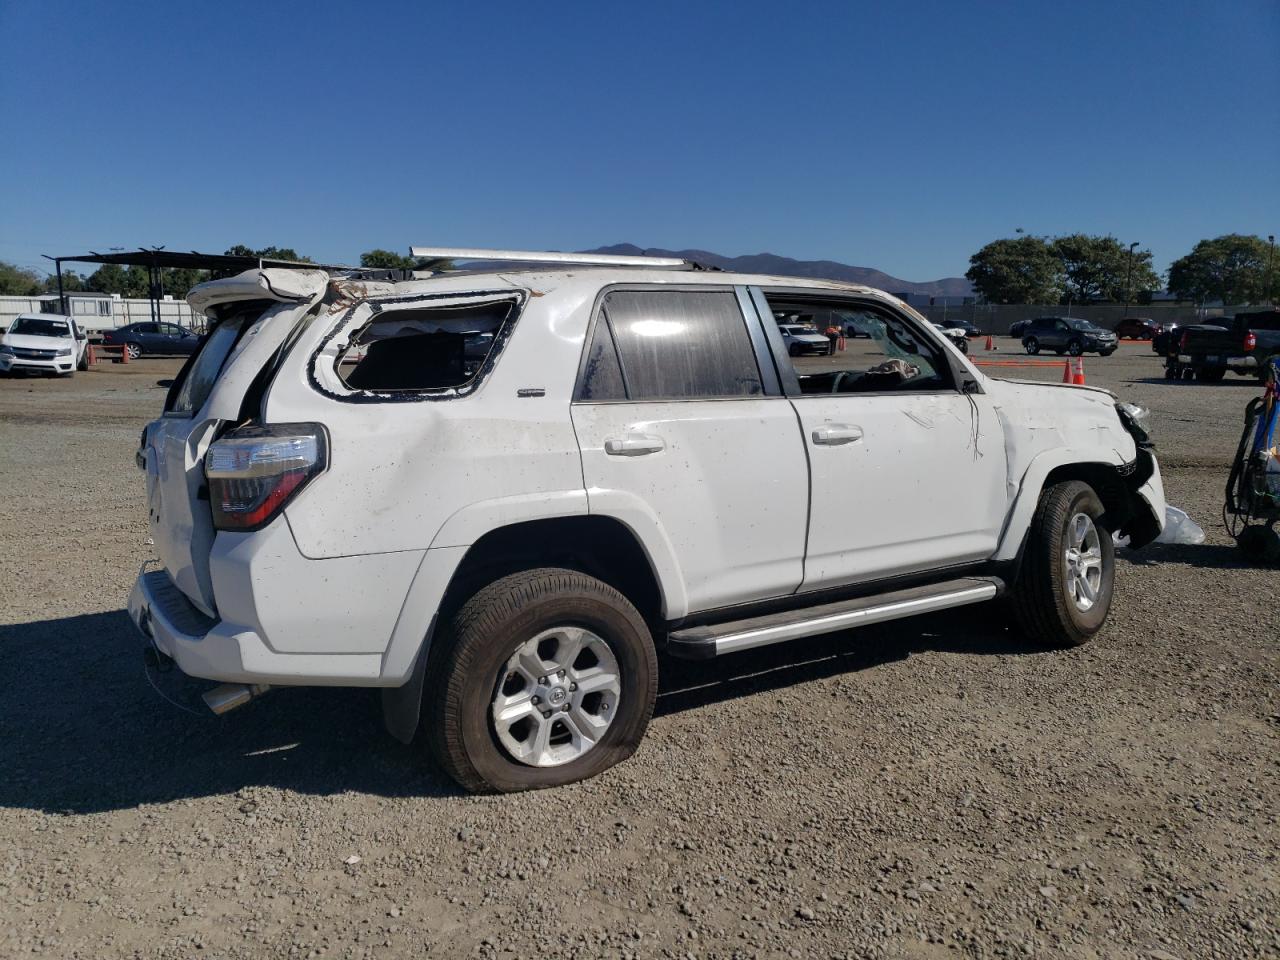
(546, 714)
(573, 686)
(543, 681)
(560, 675)
(537, 700)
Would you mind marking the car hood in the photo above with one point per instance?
(30, 342)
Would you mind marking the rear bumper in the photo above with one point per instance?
(1233, 363)
(217, 650)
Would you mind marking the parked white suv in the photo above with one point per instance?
(496, 494)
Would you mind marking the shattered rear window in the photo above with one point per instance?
(423, 349)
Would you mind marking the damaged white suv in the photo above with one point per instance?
(496, 493)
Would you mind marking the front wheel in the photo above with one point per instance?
(1075, 348)
(542, 678)
(1031, 345)
(1063, 591)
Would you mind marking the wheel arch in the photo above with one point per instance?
(601, 546)
(1112, 480)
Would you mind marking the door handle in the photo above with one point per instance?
(834, 434)
(634, 445)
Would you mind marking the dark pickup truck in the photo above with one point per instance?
(1208, 351)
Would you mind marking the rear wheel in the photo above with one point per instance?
(1075, 348)
(1031, 345)
(1063, 591)
(134, 350)
(543, 678)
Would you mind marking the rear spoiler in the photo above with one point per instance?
(263, 284)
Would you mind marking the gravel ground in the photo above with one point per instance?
(923, 789)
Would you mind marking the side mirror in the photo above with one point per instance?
(81, 335)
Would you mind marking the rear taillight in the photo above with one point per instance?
(1250, 341)
(254, 471)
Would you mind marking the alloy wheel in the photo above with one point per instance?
(556, 697)
(1082, 560)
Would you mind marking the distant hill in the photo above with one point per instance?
(771, 263)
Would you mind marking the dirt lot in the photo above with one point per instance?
(926, 789)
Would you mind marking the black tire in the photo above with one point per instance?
(1075, 348)
(1105, 353)
(1211, 374)
(793, 350)
(469, 657)
(1031, 345)
(1040, 600)
(1171, 373)
(83, 363)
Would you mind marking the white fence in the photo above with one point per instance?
(96, 313)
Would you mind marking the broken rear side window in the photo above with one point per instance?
(431, 348)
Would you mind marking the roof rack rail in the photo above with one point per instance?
(548, 256)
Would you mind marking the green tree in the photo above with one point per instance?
(1099, 268)
(386, 260)
(266, 253)
(17, 282)
(1232, 268)
(71, 281)
(380, 259)
(1016, 270)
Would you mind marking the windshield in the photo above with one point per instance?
(40, 327)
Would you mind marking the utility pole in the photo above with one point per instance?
(1271, 278)
(1128, 279)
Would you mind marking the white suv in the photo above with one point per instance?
(495, 494)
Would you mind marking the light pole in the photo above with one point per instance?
(1271, 279)
(1128, 278)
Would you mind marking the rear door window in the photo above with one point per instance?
(672, 345)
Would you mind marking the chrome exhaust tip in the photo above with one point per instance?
(229, 696)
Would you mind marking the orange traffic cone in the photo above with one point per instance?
(1078, 376)
(1066, 373)
(991, 344)
(93, 357)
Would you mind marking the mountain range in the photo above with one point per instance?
(772, 263)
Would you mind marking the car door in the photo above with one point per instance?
(907, 471)
(686, 438)
(147, 336)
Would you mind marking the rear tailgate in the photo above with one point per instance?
(1204, 340)
(255, 312)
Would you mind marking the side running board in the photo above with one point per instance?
(701, 643)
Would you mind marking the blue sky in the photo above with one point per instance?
(898, 136)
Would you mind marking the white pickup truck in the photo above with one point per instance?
(48, 343)
(496, 494)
